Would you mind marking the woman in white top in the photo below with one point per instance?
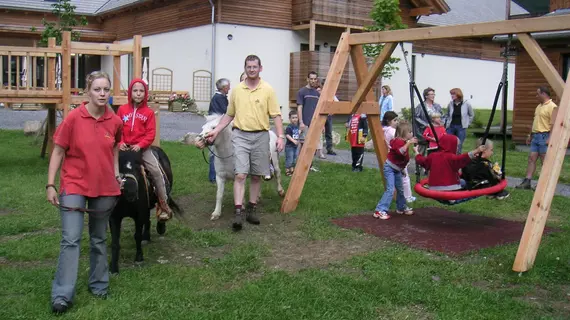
(389, 124)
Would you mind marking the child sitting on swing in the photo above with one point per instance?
(444, 165)
(482, 173)
(439, 132)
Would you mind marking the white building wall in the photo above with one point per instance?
(478, 79)
(399, 82)
(273, 47)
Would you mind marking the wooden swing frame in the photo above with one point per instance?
(364, 101)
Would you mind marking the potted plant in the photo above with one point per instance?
(181, 102)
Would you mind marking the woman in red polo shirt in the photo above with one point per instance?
(88, 141)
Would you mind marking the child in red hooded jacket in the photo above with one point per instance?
(139, 131)
(444, 164)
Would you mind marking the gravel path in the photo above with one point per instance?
(173, 126)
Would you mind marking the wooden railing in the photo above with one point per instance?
(349, 12)
(301, 63)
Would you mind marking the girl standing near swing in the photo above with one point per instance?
(394, 169)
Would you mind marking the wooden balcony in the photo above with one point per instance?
(344, 12)
(301, 63)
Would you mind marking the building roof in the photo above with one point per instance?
(84, 7)
(471, 11)
(534, 7)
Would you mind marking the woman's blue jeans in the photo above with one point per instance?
(460, 132)
(63, 286)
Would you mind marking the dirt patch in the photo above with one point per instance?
(288, 247)
(5, 212)
(20, 236)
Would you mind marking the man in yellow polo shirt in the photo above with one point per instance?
(252, 102)
(544, 117)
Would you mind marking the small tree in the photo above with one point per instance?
(386, 16)
(67, 20)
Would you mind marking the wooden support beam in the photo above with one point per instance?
(336, 69)
(551, 23)
(31, 94)
(542, 62)
(344, 107)
(374, 121)
(156, 108)
(66, 72)
(542, 200)
(366, 84)
(137, 57)
(421, 11)
(116, 76)
(312, 34)
(301, 27)
(103, 47)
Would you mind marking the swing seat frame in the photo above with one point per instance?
(457, 196)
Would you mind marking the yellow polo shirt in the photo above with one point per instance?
(251, 109)
(543, 117)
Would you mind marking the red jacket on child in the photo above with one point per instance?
(139, 125)
(429, 136)
(444, 164)
(357, 130)
(397, 155)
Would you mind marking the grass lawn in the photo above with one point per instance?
(297, 266)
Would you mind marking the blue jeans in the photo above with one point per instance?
(290, 156)
(393, 181)
(460, 132)
(538, 143)
(63, 286)
(212, 173)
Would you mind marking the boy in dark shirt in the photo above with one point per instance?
(292, 142)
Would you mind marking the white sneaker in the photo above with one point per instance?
(410, 199)
(407, 211)
(314, 169)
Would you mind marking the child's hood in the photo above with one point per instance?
(448, 143)
(130, 93)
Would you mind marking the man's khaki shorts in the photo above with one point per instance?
(251, 152)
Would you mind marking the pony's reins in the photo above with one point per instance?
(207, 145)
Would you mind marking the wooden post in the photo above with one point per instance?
(50, 85)
(542, 62)
(312, 32)
(66, 72)
(374, 121)
(137, 56)
(156, 108)
(117, 75)
(540, 207)
(317, 123)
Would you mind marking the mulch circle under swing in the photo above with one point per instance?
(440, 230)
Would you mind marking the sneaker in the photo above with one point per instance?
(331, 152)
(410, 199)
(314, 169)
(525, 184)
(383, 215)
(238, 220)
(502, 195)
(100, 295)
(407, 211)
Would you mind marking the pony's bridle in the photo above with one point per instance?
(207, 144)
(126, 176)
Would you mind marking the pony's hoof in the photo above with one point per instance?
(214, 217)
(139, 262)
(281, 193)
(160, 227)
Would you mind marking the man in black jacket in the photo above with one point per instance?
(218, 105)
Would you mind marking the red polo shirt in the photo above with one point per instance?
(88, 167)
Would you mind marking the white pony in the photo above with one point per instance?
(223, 150)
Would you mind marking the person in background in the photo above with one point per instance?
(87, 142)
(422, 118)
(292, 136)
(386, 101)
(357, 133)
(307, 100)
(218, 105)
(439, 132)
(460, 115)
(544, 117)
(328, 126)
